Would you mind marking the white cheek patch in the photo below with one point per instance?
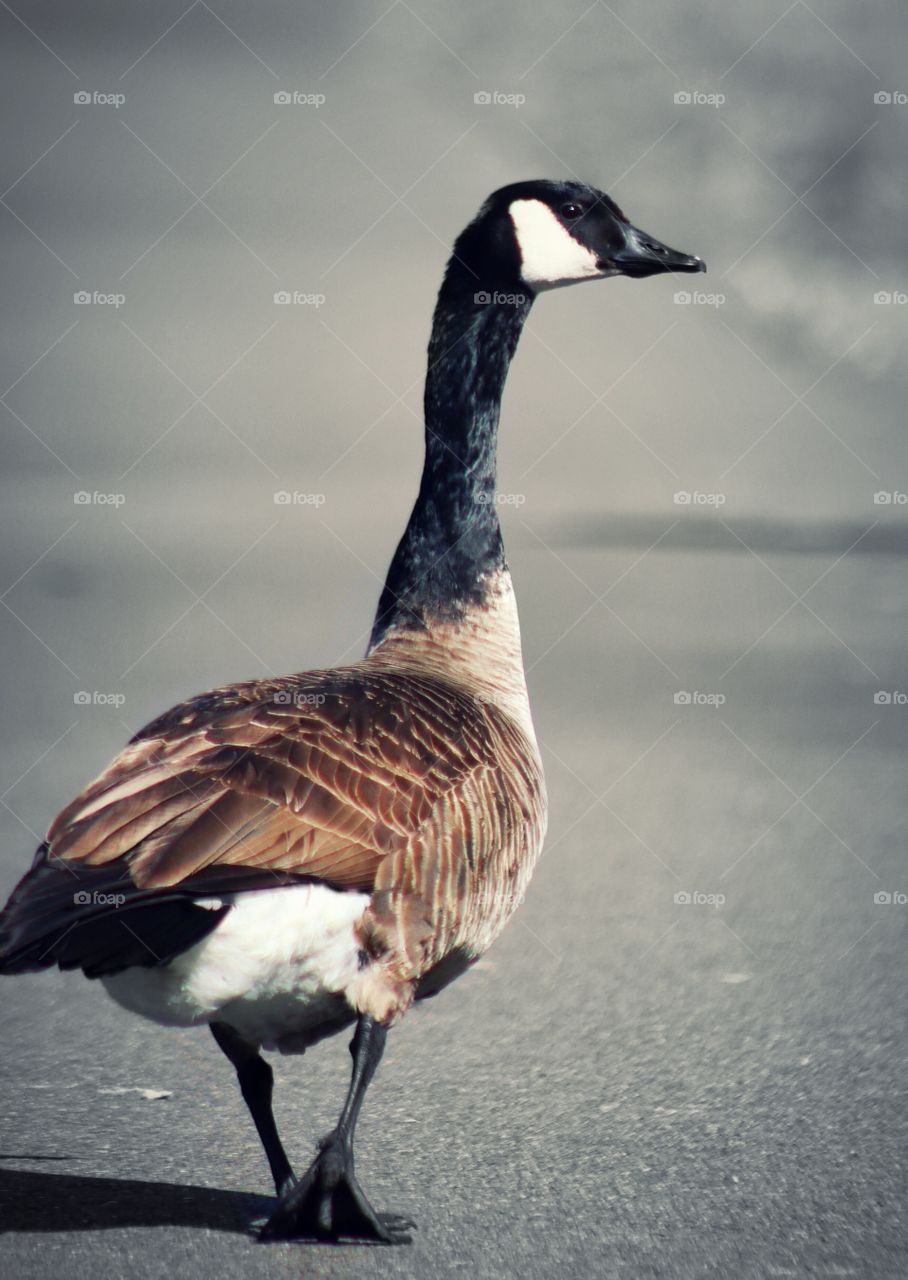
(548, 253)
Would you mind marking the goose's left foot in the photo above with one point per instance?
(329, 1204)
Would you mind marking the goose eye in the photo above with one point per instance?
(571, 210)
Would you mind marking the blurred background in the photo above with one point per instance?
(684, 1057)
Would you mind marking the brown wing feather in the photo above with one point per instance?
(323, 774)
(396, 783)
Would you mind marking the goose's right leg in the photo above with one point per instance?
(328, 1202)
(256, 1085)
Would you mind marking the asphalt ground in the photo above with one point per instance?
(629, 1084)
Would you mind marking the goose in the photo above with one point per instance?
(284, 858)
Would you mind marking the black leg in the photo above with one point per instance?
(328, 1202)
(256, 1085)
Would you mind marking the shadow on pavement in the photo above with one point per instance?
(65, 1202)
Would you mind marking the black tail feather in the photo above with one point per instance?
(95, 919)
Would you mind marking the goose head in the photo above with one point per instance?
(545, 234)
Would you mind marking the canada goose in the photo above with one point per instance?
(281, 858)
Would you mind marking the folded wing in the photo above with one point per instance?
(324, 776)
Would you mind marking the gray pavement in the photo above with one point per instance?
(628, 1085)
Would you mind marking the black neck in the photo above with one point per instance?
(453, 539)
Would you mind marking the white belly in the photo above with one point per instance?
(275, 969)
